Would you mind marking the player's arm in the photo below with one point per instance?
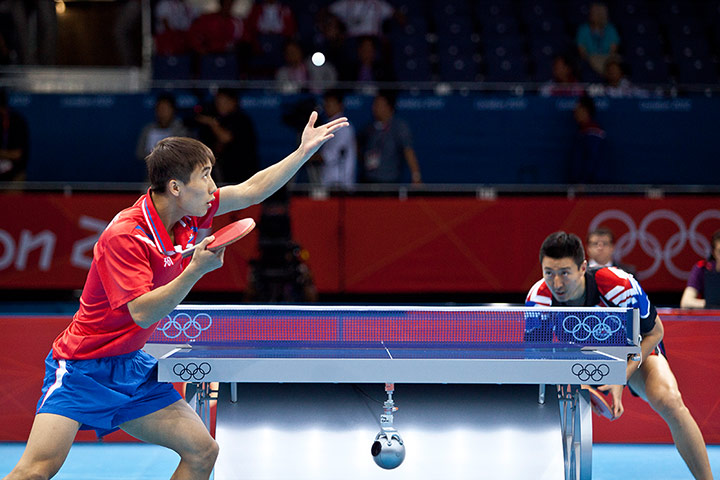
(153, 306)
(648, 342)
(691, 299)
(266, 182)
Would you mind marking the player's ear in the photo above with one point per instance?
(583, 267)
(174, 187)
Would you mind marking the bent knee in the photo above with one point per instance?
(204, 456)
(31, 473)
(666, 401)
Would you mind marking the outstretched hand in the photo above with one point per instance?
(314, 137)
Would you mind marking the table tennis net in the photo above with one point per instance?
(229, 325)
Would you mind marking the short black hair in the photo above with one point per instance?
(166, 97)
(231, 93)
(563, 245)
(175, 158)
(390, 97)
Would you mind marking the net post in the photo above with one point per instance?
(636, 327)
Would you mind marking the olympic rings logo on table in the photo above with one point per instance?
(590, 371)
(191, 371)
(591, 326)
(183, 324)
(649, 243)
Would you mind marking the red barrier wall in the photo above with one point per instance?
(691, 340)
(691, 343)
(383, 245)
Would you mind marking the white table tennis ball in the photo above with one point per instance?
(318, 59)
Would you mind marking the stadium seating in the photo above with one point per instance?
(662, 41)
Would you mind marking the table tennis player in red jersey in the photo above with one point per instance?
(97, 377)
(567, 281)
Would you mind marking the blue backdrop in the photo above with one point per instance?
(474, 138)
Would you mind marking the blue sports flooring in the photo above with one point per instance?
(132, 461)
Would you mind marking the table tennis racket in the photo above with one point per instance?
(226, 235)
(599, 404)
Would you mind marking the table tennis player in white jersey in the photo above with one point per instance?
(567, 281)
(97, 377)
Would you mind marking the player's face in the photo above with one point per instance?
(564, 278)
(198, 192)
(600, 248)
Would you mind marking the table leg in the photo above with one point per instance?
(199, 396)
(576, 426)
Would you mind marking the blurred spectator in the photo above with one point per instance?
(601, 251)
(30, 36)
(294, 74)
(166, 124)
(564, 82)
(338, 157)
(127, 32)
(387, 145)
(217, 32)
(370, 67)
(300, 74)
(270, 17)
(7, 56)
(703, 285)
(14, 142)
(597, 39)
(172, 23)
(617, 84)
(330, 40)
(587, 162)
(362, 17)
(230, 133)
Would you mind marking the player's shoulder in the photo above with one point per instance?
(612, 278)
(539, 294)
(127, 227)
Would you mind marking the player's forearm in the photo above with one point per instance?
(150, 308)
(649, 342)
(261, 185)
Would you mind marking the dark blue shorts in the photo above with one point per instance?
(103, 393)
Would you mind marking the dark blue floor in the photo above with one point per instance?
(130, 461)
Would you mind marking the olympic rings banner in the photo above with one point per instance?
(383, 244)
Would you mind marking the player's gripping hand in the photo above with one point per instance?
(205, 260)
(616, 392)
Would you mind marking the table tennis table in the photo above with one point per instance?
(430, 351)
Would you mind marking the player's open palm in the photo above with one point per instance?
(206, 260)
(313, 137)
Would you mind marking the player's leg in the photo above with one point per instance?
(47, 447)
(179, 428)
(656, 384)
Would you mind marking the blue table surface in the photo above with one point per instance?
(378, 351)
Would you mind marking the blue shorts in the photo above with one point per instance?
(104, 393)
